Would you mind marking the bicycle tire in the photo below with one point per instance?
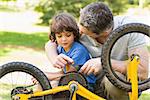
(29, 69)
(106, 50)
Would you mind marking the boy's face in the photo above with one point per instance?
(65, 39)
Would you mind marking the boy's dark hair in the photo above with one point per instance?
(96, 17)
(63, 22)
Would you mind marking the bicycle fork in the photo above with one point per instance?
(133, 76)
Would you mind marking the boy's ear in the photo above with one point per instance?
(49, 35)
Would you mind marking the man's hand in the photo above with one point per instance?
(91, 66)
(61, 60)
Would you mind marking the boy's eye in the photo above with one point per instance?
(68, 35)
(59, 36)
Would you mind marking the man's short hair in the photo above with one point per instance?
(96, 17)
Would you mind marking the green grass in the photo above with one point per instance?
(35, 40)
(144, 97)
(5, 50)
(6, 95)
(11, 40)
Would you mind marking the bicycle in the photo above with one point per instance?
(76, 84)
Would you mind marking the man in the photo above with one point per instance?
(96, 23)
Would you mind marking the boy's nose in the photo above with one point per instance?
(63, 38)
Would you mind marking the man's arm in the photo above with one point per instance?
(144, 61)
(121, 66)
(94, 65)
(51, 51)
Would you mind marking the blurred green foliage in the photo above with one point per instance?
(50, 7)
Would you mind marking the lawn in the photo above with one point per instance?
(12, 40)
(144, 96)
(6, 95)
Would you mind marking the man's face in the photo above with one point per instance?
(100, 37)
(84, 30)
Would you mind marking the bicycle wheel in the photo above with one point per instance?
(110, 52)
(15, 78)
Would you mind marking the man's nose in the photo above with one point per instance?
(81, 32)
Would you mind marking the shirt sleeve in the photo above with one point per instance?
(136, 39)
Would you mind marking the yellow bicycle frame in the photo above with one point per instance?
(80, 90)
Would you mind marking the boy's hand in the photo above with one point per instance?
(34, 80)
(61, 60)
(91, 66)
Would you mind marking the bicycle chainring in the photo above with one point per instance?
(73, 76)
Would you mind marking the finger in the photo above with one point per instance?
(97, 69)
(68, 59)
(95, 72)
(57, 66)
(87, 69)
(62, 60)
(34, 80)
(82, 69)
(90, 71)
(60, 64)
